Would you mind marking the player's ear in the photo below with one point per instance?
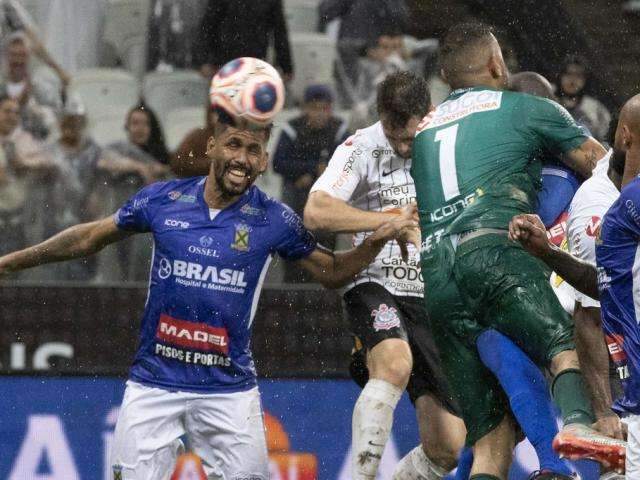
(495, 66)
(264, 162)
(211, 143)
(443, 75)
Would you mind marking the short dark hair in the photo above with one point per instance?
(458, 48)
(403, 95)
(224, 120)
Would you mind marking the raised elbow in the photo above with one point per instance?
(315, 214)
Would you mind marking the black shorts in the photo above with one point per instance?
(375, 315)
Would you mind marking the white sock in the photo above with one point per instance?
(371, 426)
(416, 466)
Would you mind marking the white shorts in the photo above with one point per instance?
(632, 465)
(225, 430)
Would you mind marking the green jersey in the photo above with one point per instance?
(476, 158)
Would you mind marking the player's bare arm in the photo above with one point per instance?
(595, 365)
(336, 269)
(584, 158)
(75, 242)
(530, 232)
(326, 213)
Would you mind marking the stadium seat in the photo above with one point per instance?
(126, 27)
(301, 15)
(101, 88)
(313, 56)
(166, 92)
(180, 122)
(107, 126)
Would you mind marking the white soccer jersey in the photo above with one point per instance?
(590, 203)
(365, 172)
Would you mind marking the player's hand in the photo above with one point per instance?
(403, 230)
(611, 426)
(410, 212)
(530, 232)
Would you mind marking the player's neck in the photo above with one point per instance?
(615, 178)
(215, 198)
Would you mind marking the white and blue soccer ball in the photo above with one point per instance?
(248, 88)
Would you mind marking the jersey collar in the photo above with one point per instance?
(461, 91)
(204, 207)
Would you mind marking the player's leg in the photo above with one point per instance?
(227, 432)
(528, 395)
(442, 431)
(376, 320)
(633, 447)
(493, 452)
(147, 436)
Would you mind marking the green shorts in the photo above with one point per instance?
(489, 282)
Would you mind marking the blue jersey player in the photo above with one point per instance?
(615, 279)
(213, 239)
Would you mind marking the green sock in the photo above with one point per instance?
(483, 476)
(570, 396)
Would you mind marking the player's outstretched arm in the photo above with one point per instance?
(74, 242)
(330, 214)
(337, 269)
(530, 232)
(584, 158)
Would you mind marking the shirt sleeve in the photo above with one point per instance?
(297, 242)
(630, 205)
(344, 171)
(554, 127)
(134, 215)
(582, 244)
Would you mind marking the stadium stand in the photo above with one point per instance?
(179, 122)
(301, 15)
(313, 55)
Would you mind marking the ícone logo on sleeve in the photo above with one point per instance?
(385, 318)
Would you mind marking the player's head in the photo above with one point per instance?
(470, 56)
(532, 83)
(627, 136)
(403, 100)
(238, 154)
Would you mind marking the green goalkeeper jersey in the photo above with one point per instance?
(476, 158)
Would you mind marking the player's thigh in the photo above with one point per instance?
(377, 321)
(227, 432)
(510, 292)
(632, 466)
(147, 434)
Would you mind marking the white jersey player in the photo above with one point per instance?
(367, 180)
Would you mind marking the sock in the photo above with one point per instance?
(465, 462)
(415, 465)
(371, 426)
(570, 396)
(528, 395)
(483, 476)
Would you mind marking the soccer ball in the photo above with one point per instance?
(248, 88)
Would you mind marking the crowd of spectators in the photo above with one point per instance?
(54, 175)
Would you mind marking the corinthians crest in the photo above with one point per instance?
(385, 318)
(241, 237)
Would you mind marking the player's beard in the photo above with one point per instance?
(229, 183)
(618, 160)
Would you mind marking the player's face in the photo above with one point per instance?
(237, 158)
(401, 139)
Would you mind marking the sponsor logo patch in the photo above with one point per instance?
(593, 226)
(252, 211)
(385, 318)
(172, 222)
(117, 472)
(199, 336)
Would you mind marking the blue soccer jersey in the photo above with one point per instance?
(205, 281)
(618, 259)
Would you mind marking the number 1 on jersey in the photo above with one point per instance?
(448, 173)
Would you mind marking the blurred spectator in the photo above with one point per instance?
(242, 28)
(76, 158)
(586, 110)
(38, 98)
(362, 23)
(173, 27)
(13, 18)
(304, 149)
(190, 158)
(125, 168)
(23, 170)
(385, 55)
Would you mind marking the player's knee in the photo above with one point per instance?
(395, 371)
